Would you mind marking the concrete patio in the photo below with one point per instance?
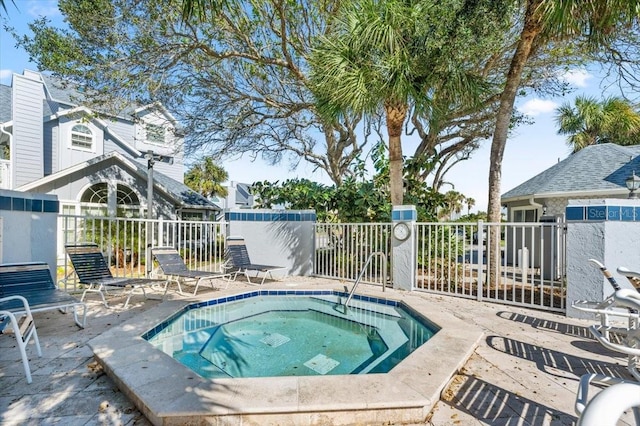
(525, 370)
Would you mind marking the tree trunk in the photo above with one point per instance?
(396, 112)
(531, 29)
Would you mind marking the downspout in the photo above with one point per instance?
(534, 204)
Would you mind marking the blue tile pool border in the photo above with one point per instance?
(255, 293)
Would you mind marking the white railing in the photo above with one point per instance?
(527, 262)
(5, 174)
(341, 251)
(125, 242)
(528, 267)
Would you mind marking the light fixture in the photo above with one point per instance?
(633, 184)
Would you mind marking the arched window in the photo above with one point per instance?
(126, 196)
(94, 200)
(96, 194)
(81, 137)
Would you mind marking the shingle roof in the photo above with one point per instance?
(69, 93)
(49, 107)
(182, 195)
(186, 196)
(595, 168)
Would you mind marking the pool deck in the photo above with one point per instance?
(525, 369)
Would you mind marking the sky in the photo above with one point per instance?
(530, 149)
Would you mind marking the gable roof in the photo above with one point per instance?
(595, 169)
(182, 195)
(63, 94)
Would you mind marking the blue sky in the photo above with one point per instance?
(530, 150)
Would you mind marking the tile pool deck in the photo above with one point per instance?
(524, 370)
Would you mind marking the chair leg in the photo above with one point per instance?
(23, 333)
(83, 323)
(198, 285)
(91, 288)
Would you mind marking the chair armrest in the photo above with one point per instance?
(27, 309)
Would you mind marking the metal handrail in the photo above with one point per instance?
(384, 272)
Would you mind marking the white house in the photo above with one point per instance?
(95, 163)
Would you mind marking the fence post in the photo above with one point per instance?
(404, 242)
(480, 258)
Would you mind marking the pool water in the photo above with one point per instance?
(292, 333)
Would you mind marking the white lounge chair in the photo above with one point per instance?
(22, 327)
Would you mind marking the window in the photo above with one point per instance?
(81, 137)
(95, 200)
(155, 134)
(193, 216)
(525, 215)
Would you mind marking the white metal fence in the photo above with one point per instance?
(343, 249)
(516, 263)
(511, 263)
(126, 242)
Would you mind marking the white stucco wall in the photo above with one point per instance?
(29, 227)
(612, 242)
(278, 238)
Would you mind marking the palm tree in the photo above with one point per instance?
(470, 203)
(542, 22)
(453, 202)
(591, 122)
(206, 178)
(386, 56)
(4, 6)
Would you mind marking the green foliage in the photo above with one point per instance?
(356, 200)
(233, 72)
(590, 122)
(352, 201)
(472, 217)
(113, 235)
(206, 178)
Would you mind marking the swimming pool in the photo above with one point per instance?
(291, 333)
(169, 393)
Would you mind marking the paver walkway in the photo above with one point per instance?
(525, 371)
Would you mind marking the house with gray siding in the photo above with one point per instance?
(96, 163)
(597, 171)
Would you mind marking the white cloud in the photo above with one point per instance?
(38, 8)
(577, 77)
(5, 74)
(536, 106)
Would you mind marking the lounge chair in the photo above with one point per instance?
(92, 270)
(34, 282)
(174, 269)
(238, 261)
(22, 327)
